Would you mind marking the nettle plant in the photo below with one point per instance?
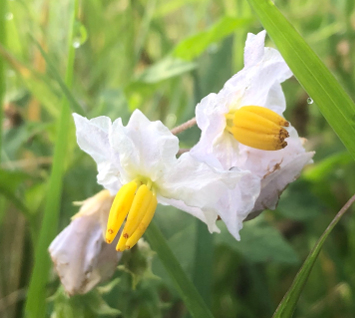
(247, 155)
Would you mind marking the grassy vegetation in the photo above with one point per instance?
(162, 57)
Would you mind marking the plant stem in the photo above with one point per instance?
(179, 129)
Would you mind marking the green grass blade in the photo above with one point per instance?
(203, 263)
(36, 298)
(332, 100)
(186, 289)
(288, 303)
(76, 107)
(36, 83)
(2, 66)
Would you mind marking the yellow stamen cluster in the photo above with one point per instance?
(258, 127)
(137, 200)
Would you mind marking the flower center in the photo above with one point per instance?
(137, 200)
(258, 127)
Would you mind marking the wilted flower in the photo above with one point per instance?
(138, 162)
(242, 126)
(79, 253)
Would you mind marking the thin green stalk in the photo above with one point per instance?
(2, 66)
(192, 299)
(288, 303)
(35, 305)
(203, 264)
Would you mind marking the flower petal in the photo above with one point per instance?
(146, 148)
(254, 48)
(79, 253)
(276, 169)
(236, 204)
(199, 185)
(93, 136)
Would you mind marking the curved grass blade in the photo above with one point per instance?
(288, 303)
(332, 100)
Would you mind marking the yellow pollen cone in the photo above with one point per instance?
(121, 245)
(139, 207)
(254, 122)
(137, 234)
(258, 127)
(268, 114)
(258, 140)
(119, 209)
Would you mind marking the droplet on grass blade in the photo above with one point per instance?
(76, 43)
(80, 34)
(309, 101)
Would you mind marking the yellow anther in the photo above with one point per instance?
(258, 127)
(119, 209)
(268, 114)
(139, 208)
(121, 245)
(137, 234)
(257, 140)
(135, 200)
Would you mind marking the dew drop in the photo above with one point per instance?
(9, 16)
(76, 43)
(309, 101)
(80, 34)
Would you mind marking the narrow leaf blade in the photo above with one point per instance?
(332, 100)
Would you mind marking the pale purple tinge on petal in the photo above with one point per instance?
(80, 254)
(276, 169)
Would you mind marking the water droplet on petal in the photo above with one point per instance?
(9, 16)
(309, 101)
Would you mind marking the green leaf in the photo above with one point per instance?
(194, 45)
(298, 202)
(164, 69)
(288, 304)
(81, 306)
(260, 243)
(186, 289)
(334, 103)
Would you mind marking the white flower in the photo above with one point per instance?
(138, 162)
(80, 254)
(247, 114)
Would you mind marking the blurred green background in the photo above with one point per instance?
(163, 57)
